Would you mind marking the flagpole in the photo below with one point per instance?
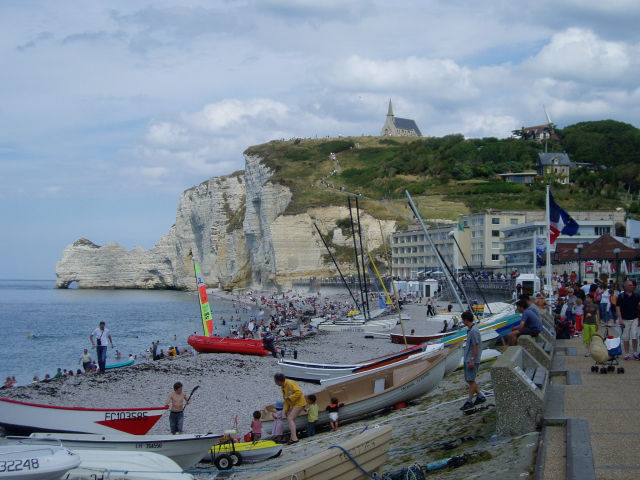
(535, 253)
(549, 286)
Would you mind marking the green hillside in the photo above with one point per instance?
(451, 174)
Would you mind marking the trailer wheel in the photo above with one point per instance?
(236, 458)
(223, 462)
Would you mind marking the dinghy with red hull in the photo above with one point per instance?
(204, 344)
(24, 418)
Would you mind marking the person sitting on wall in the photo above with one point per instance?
(529, 325)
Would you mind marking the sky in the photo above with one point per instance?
(109, 110)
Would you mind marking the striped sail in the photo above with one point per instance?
(205, 309)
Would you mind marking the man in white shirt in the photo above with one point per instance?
(101, 334)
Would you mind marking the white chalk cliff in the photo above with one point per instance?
(235, 228)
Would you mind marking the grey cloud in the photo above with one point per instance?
(42, 37)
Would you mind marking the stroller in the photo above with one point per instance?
(606, 352)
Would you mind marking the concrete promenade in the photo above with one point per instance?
(592, 420)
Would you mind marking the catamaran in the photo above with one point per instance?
(208, 343)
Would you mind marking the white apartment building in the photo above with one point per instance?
(483, 232)
(518, 241)
(412, 254)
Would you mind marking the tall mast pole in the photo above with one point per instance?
(355, 251)
(435, 250)
(364, 272)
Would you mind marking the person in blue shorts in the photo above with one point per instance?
(472, 356)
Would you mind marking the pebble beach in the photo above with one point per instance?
(233, 386)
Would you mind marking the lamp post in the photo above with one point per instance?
(577, 250)
(506, 266)
(616, 251)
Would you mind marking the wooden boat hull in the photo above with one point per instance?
(376, 391)
(184, 449)
(369, 450)
(250, 452)
(122, 465)
(35, 462)
(315, 372)
(203, 344)
(372, 326)
(25, 418)
(429, 351)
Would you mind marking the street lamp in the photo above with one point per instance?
(616, 251)
(577, 250)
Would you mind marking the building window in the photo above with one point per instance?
(514, 221)
(495, 257)
(495, 245)
(495, 233)
(495, 221)
(602, 230)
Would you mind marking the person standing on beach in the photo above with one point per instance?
(627, 312)
(101, 335)
(294, 402)
(177, 401)
(472, 356)
(85, 359)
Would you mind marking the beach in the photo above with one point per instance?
(233, 386)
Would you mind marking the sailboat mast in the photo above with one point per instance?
(355, 251)
(336, 264)
(435, 250)
(205, 308)
(364, 272)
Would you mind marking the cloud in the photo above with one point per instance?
(580, 54)
(435, 78)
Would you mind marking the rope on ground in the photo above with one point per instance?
(355, 462)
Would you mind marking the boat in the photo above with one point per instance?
(375, 391)
(119, 365)
(371, 326)
(24, 418)
(314, 372)
(208, 343)
(367, 455)
(122, 465)
(245, 452)
(35, 462)
(429, 350)
(184, 449)
(202, 344)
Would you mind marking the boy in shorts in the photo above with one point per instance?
(472, 355)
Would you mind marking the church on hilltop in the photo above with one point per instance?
(399, 127)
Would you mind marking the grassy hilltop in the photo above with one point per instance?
(451, 175)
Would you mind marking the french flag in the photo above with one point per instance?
(560, 221)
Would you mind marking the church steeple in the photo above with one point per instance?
(390, 112)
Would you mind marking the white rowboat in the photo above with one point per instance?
(35, 462)
(374, 392)
(184, 449)
(119, 465)
(315, 372)
(24, 418)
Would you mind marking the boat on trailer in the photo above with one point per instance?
(25, 418)
(375, 391)
(367, 454)
(184, 449)
(35, 462)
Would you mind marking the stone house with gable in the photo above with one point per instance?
(399, 127)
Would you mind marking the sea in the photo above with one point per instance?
(43, 328)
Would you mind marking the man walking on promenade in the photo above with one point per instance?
(294, 402)
(101, 335)
(472, 356)
(627, 310)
